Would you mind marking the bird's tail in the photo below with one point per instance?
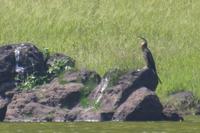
(158, 77)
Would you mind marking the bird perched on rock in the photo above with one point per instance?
(148, 57)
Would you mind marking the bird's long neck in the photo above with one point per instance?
(144, 47)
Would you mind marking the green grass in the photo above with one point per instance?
(101, 34)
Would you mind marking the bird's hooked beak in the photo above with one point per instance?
(144, 41)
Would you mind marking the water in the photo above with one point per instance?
(18, 69)
(190, 125)
(102, 88)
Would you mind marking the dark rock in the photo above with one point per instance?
(90, 79)
(57, 95)
(19, 101)
(181, 102)
(30, 112)
(25, 107)
(171, 115)
(30, 60)
(6, 86)
(3, 107)
(106, 116)
(72, 114)
(142, 78)
(82, 76)
(197, 109)
(48, 103)
(112, 97)
(87, 115)
(114, 75)
(68, 61)
(110, 79)
(143, 104)
(9, 94)
(7, 63)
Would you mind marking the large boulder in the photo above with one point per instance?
(43, 105)
(47, 103)
(169, 114)
(68, 61)
(111, 97)
(130, 97)
(90, 79)
(183, 103)
(143, 104)
(19, 101)
(19, 59)
(57, 95)
(58, 63)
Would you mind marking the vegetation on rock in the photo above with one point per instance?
(55, 69)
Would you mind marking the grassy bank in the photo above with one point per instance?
(101, 34)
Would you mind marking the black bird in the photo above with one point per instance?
(148, 57)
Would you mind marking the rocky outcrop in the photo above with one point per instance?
(111, 97)
(56, 95)
(119, 95)
(60, 101)
(17, 59)
(53, 101)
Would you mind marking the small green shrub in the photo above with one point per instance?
(89, 85)
(96, 105)
(46, 53)
(58, 67)
(85, 102)
(33, 80)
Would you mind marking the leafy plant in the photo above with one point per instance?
(46, 53)
(33, 80)
(89, 85)
(57, 67)
(96, 105)
(85, 102)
